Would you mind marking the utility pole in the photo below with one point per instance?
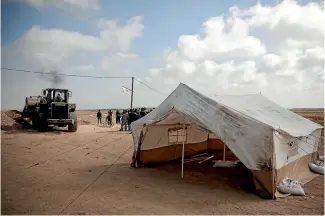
(132, 93)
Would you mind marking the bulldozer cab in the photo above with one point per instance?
(57, 95)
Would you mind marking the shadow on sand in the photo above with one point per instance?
(236, 182)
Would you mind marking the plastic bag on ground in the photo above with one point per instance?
(289, 186)
(316, 168)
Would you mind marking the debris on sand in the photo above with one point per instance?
(12, 120)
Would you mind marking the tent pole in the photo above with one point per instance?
(183, 151)
(224, 151)
(206, 150)
(132, 93)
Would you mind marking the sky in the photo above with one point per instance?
(275, 48)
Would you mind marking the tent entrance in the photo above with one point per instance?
(179, 160)
(165, 143)
(178, 136)
(174, 145)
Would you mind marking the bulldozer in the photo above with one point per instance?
(52, 108)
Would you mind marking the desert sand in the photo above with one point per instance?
(88, 172)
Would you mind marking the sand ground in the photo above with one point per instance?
(88, 172)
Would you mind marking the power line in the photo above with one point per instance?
(62, 74)
(149, 87)
(83, 76)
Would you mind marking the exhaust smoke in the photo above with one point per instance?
(53, 77)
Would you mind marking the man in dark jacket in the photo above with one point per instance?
(142, 113)
(109, 118)
(118, 116)
(132, 117)
(99, 117)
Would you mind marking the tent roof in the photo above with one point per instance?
(262, 109)
(254, 107)
(244, 123)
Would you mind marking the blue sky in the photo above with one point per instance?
(163, 25)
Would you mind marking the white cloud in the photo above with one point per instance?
(186, 66)
(170, 81)
(208, 66)
(147, 79)
(273, 49)
(271, 60)
(155, 71)
(81, 4)
(126, 55)
(83, 68)
(219, 41)
(277, 50)
(52, 46)
(122, 36)
(115, 60)
(107, 52)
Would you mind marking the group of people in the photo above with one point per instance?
(125, 118)
(108, 118)
(129, 116)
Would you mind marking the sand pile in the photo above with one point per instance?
(11, 120)
(5, 119)
(8, 120)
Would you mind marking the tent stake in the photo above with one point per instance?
(183, 151)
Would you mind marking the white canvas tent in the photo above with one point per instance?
(271, 141)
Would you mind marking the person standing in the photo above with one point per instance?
(130, 115)
(99, 117)
(125, 121)
(109, 118)
(142, 113)
(132, 118)
(117, 115)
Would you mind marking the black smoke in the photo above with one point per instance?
(53, 77)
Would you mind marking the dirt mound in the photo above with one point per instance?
(13, 114)
(11, 120)
(6, 120)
